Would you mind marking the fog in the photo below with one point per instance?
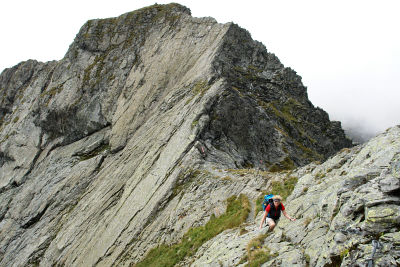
(347, 52)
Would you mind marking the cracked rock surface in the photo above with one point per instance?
(341, 206)
(125, 143)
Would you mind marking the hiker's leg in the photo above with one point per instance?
(271, 224)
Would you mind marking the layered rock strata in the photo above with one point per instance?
(93, 147)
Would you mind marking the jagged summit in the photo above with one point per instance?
(94, 146)
(102, 35)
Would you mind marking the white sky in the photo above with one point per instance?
(347, 51)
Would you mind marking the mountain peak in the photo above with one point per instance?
(141, 107)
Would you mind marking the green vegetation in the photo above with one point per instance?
(284, 188)
(288, 114)
(286, 164)
(308, 259)
(53, 91)
(94, 153)
(320, 175)
(256, 254)
(285, 112)
(281, 131)
(251, 73)
(226, 178)
(169, 255)
(194, 123)
(200, 87)
(185, 178)
(308, 153)
(344, 253)
(98, 60)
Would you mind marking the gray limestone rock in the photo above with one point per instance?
(333, 228)
(130, 140)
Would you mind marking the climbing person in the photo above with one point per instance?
(273, 213)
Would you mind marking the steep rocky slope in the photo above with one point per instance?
(341, 206)
(99, 152)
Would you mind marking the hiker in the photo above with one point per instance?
(273, 213)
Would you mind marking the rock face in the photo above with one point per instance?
(98, 150)
(341, 206)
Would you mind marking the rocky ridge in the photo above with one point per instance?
(341, 207)
(105, 153)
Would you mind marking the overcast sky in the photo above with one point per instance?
(347, 51)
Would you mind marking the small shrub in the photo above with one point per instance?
(344, 253)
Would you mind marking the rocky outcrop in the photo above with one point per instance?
(344, 208)
(107, 152)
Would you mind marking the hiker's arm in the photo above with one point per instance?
(287, 216)
(263, 219)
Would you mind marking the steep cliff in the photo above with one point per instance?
(105, 153)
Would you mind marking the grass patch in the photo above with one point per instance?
(168, 255)
(286, 164)
(320, 175)
(200, 88)
(226, 178)
(184, 180)
(194, 123)
(256, 254)
(344, 253)
(284, 188)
